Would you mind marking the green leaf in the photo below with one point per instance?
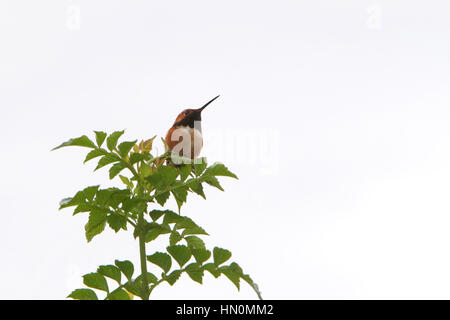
(82, 141)
(96, 281)
(174, 238)
(201, 254)
(231, 274)
(193, 230)
(220, 255)
(211, 268)
(90, 192)
(125, 147)
(116, 169)
(161, 259)
(200, 165)
(173, 277)
(156, 231)
(126, 267)
(96, 223)
(156, 214)
(112, 139)
(180, 253)
(168, 173)
(83, 294)
(136, 157)
(126, 182)
(212, 181)
(145, 170)
(255, 287)
(147, 145)
(94, 154)
(118, 294)
(195, 242)
(133, 288)
(195, 272)
(196, 187)
(117, 222)
(180, 195)
(171, 217)
(151, 278)
(184, 171)
(218, 169)
(99, 137)
(110, 271)
(107, 159)
(164, 177)
(162, 198)
(189, 226)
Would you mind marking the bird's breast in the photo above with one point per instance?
(185, 141)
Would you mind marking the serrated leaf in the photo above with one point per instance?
(171, 217)
(83, 294)
(107, 159)
(174, 238)
(231, 274)
(116, 169)
(194, 242)
(164, 177)
(82, 141)
(110, 271)
(84, 207)
(99, 137)
(196, 187)
(200, 165)
(193, 230)
(189, 226)
(255, 287)
(96, 223)
(180, 195)
(117, 222)
(132, 288)
(127, 182)
(95, 280)
(125, 147)
(126, 267)
(162, 198)
(93, 154)
(90, 192)
(211, 268)
(184, 171)
(201, 254)
(156, 214)
(118, 294)
(162, 260)
(147, 145)
(219, 169)
(168, 173)
(194, 272)
(112, 139)
(173, 277)
(212, 181)
(156, 231)
(136, 157)
(151, 278)
(220, 255)
(180, 253)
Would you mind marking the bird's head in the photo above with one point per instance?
(187, 117)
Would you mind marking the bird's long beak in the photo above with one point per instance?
(201, 109)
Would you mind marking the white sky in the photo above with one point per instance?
(346, 197)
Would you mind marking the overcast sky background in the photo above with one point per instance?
(347, 195)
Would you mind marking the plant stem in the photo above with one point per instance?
(143, 258)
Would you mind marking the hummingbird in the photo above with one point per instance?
(184, 138)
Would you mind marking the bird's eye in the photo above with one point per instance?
(185, 113)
